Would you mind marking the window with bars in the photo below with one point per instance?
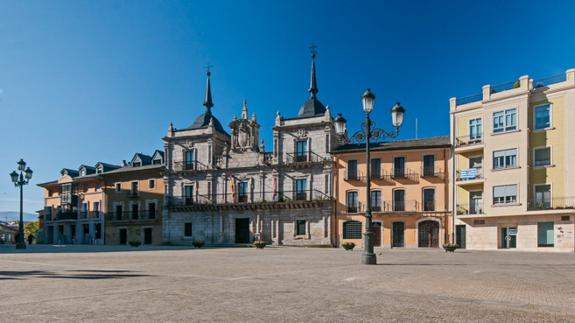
(300, 227)
(352, 230)
(352, 202)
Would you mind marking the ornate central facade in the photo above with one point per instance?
(224, 188)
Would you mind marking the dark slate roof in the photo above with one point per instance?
(146, 160)
(134, 169)
(89, 169)
(159, 152)
(108, 167)
(311, 108)
(203, 120)
(70, 172)
(431, 142)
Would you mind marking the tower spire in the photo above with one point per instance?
(208, 103)
(313, 82)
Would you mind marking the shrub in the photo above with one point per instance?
(259, 244)
(448, 247)
(198, 243)
(135, 243)
(348, 245)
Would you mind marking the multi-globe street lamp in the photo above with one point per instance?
(367, 132)
(20, 179)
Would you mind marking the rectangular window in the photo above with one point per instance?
(134, 189)
(300, 227)
(189, 194)
(542, 156)
(189, 159)
(375, 168)
(352, 202)
(504, 194)
(429, 165)
(505, 158)
(301, 150)
(118, 212)
(151, 210)
(136, 164)
(352, 169)
(399, 200)
(300, 189)
(475, 129)
(135, 211)
(375, 201)
(399, 167)
(505, 120)
(97, 187)
(118, 187)
(428, 199)
(187, 229)
(156, 162)
(542, 117)
(543, 196)
(243, 191)
(152, 184)
(545, 234)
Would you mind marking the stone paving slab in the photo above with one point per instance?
(284, 284)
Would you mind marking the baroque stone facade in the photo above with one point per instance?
(224, 188)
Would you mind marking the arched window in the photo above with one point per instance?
(352, 230)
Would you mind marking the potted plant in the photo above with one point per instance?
(135, 243)
(348, 245)
(259, 244)
(450, 247)
(198, 243)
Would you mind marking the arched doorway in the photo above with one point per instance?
(428, 234)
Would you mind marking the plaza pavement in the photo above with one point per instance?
(166, 284)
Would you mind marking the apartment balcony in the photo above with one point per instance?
(131, 216)
(432, 172)
(304, 159)
(468, 143)
(67, 215)
(464, 209)
(190, 166)
(266, 199)
(561, 203)
(89, 214)
(404, 174)
(469, 176)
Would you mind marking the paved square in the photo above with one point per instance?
(285, 284)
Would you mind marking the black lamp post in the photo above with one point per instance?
(367, 132)
(20, 179)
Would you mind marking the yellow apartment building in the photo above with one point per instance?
(513, 178)
(409, 193)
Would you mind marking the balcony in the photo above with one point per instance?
(561, 203)
(470, 142)
(127, 216)
(68, 199)
(66, 215)
(470, 209)
(430, 172)
(469, 176)
(133, 194)
(403, 174)
(189, 166)
(304, 158)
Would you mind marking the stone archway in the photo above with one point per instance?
(428, 234)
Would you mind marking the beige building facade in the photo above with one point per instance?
(513, 184)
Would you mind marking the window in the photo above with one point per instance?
(352, 230)
(399, 167)
(542, 117)
(100, 170)
(352, 202)
(190, 159)
(135, 211)
(187, 229)
(504, 194)
(97, 186)
(84, 188)
(375, 168)
(152, 184)
(505, 158)
(151, 210)
(301, 150)
(243, 191)
(399, 200)
(545, 234)
(352, 169)
(300, 189)
(96, 210)
(300, 227)
(118, 187)
(542, 156)
(475, 131)
(134, 189)
(118, 212)
(375, 201)
(136, 164)
(157, 161)
(505, 120)
(429, 165)
(428, 199)
(189, 194)
(542, 196)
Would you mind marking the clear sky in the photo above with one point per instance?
(88, 81)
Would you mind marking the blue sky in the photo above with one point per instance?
(88, 81)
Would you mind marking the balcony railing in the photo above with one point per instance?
(89, 214)
(403, 173)
(67, 215)
(469, 174)
(558, 78)
(134, 215)
(430, 171)
(552, 204)
(354, 177)
(505, 86)
(304, 157)
(180, 166)
(469, 98)
(464, 141)
(470, 209)
(248, 198)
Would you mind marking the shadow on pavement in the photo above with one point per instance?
(81, 274)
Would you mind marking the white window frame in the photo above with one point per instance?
(550, 156)
(505, 203)
(116, 185)
(150, 181)
(479, 125)
(550, 117)
(550, 192)
(504, 159)
(505, 125)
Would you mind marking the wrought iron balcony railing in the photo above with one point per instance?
(247, 198)
(470, 209)
(558, 203)
(304, 157)
(465, 141)
(181, 166)
(134, 215)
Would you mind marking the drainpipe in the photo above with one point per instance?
(453, 187)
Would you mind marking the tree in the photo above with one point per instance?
(32, 228)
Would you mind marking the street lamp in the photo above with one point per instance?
(367, 132)
(20, 179)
